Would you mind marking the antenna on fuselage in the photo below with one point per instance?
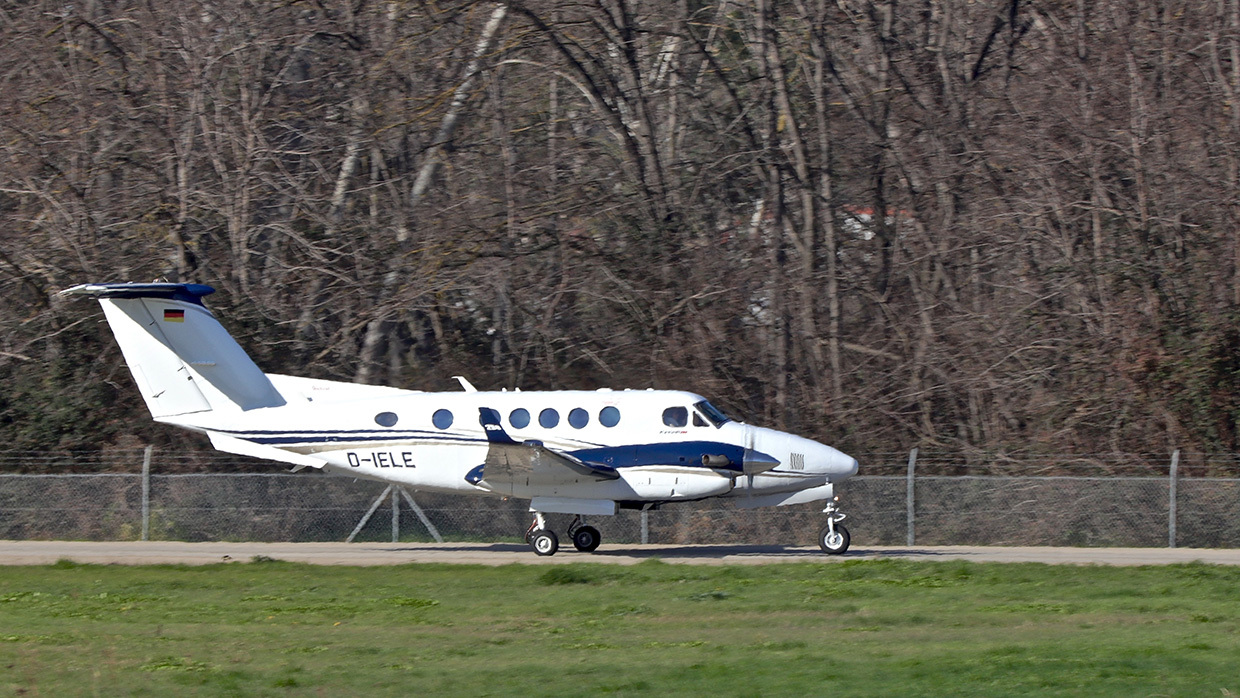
(465, 385)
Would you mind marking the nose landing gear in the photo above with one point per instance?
(833, 538)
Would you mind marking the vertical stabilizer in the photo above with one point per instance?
(181, 357)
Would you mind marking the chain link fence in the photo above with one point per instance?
(935, 509)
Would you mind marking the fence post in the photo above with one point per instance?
(1175, 468)
(369, 512)
(645, 527)
(146, 493)
(909, 499)
(421, 515)
(395, 516)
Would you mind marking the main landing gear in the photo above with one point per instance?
(833, 538)
(544, 541)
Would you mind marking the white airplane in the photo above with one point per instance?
(586, 453)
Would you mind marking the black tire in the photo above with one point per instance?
(833, 545)
(587, 538)
(544, 542)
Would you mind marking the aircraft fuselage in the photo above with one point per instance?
(665, 445)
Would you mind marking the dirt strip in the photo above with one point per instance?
(365, 554)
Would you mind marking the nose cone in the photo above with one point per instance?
(799, 454)
(837, 465)
(821, 459)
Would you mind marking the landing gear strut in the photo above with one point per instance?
(544, 541)
(833, 538)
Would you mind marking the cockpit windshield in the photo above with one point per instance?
(716, 417)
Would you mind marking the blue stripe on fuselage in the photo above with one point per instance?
(688, 453)
(355, 438)
(683, 453)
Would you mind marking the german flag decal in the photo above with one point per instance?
(174, 316)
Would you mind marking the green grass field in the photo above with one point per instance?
(854, 628)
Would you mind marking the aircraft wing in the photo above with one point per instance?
(514, 464)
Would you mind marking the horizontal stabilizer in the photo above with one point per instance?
(189, 293)
(231, 444)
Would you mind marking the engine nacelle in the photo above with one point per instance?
(675, 484)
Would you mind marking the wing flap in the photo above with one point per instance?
(511, 463)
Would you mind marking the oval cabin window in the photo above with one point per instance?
(519, 418)
(578, 418)
(442, 419)
(548, 418)
(609, 416)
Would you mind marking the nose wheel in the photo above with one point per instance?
(833, 542)
(833, 538)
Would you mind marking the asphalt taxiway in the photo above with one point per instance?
(366, 554)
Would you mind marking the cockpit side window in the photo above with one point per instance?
(675, 416)
(712, 413)
(698, 421)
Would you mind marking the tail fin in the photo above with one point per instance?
(181, 357)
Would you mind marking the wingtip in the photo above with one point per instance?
(489, 419)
